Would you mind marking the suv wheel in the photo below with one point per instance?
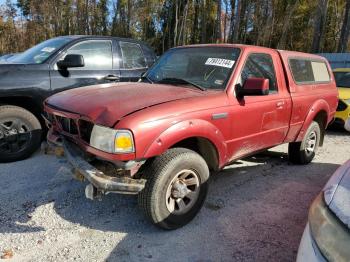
(176, 187)
(303, 152)
(20, 133)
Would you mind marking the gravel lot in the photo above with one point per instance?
(256, 210)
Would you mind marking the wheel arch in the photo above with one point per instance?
(320, 113)
(203, 147)
(197, 135)
(26, 102)
(321, 118)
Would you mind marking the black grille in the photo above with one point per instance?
(85, 128)
(341, 106)
(68, 125)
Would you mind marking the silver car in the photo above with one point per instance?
(327, 233)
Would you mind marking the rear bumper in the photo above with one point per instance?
(98, 179)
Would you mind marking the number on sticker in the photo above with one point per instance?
(220, 62)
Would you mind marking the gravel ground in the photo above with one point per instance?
(256, 210)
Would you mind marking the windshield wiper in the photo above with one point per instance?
(180, 81)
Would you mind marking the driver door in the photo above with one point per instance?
(99, 66)
(260, 122)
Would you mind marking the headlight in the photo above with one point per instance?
(112, 140)
(332, 184)
(331, 236)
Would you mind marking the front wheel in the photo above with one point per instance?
(303, 152)
(176, 187)
(20, 133)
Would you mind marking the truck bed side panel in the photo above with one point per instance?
(309, 99)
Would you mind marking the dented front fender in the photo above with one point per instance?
(195, 128)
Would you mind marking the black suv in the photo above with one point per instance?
(61, 63)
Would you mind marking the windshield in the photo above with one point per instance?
(202, 67)
(342, 79)
(39, 53)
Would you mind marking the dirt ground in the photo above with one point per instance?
(256, 210)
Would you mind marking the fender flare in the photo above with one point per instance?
(195, 128)
(316, 108)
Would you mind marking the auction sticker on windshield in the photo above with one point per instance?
(220, 62)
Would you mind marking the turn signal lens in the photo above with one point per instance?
(111, 140)
(123, 142)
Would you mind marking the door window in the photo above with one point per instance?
(260, 66)
(133, 57)
(97, 54)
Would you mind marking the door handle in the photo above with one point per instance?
(112, 78)
(280, 104)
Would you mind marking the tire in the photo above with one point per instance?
(347, 125)
(20, 133)
(169, 172)
(304, 152)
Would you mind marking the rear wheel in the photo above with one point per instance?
(176, 187)
(303, 152)
(20, 133)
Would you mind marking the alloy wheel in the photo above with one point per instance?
(14, 135)
(182, 192)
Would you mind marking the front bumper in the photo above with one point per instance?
(308, 250)
(99, 180)
(325, 238)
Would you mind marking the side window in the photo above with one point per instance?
(97, 54)
(133, 57)
(301, 70)
(320, 71)
(260, 66)
(308, 71)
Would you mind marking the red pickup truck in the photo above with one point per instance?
(197, 109)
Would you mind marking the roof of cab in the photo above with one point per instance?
(223, 45)
(301, 54)
(286, 52)
(75, 37)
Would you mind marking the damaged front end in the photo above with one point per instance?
(113, 179)
(103, 175)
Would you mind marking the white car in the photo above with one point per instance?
(327, 233)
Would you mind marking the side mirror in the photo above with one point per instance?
(254, 87)
(71, 61)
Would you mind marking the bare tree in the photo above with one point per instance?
(345, 30)
(195, 21)
(291, 7)
(237, 25)
(319, 25)
(203, 22)
(218, 21)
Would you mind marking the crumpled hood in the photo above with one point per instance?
(337, 193)
(107, 103)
